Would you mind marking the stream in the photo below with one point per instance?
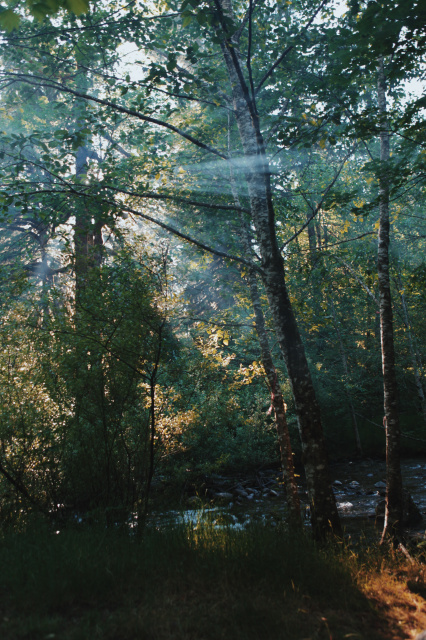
(238, 501)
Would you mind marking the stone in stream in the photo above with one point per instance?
(380, 485)
(224, 495)
(241, 492)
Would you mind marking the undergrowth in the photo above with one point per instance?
(187, 583)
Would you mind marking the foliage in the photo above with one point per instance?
(93, 146)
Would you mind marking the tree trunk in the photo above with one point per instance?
(393, 513)
(324, 515)
(277, 400)
(277, 403)
(312, 238)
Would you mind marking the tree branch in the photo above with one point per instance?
(179, 234)
(39, 81)
(289, 48)
(319, 205)
(195, 203)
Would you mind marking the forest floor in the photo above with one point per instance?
(203, 583)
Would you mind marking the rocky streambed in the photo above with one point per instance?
(237, 501)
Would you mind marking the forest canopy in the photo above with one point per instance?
(212, 234)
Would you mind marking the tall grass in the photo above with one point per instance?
(180, 583)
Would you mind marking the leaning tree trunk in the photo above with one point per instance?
(393, 513)
(324, 515)
(278, 406)
(277, 400)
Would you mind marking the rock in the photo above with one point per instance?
(345, 506)
(411, 514)
(380, 485)
(273, 494)
(224, 495)
(250, 497)
(241, 492)
(338, 483)
(354, 483)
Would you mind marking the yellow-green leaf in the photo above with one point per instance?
(9, 20)
(78, 6)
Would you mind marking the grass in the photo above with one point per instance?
(201, 584)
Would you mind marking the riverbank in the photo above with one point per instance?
(258, 496)
(204, 583)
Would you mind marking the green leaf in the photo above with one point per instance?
(186, 19)
(9, 20)
(78, 6)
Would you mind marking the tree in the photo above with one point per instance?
(393, 514)
(220, 29)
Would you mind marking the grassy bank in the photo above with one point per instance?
(201, 584)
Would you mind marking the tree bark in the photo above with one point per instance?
(312, 237)
(277, 400)
(278, 405)
(324, 515)
(393, 514)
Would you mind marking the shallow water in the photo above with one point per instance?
(358, 487)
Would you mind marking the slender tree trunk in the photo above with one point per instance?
(312, 238)
(324, 515)
(393, 513)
